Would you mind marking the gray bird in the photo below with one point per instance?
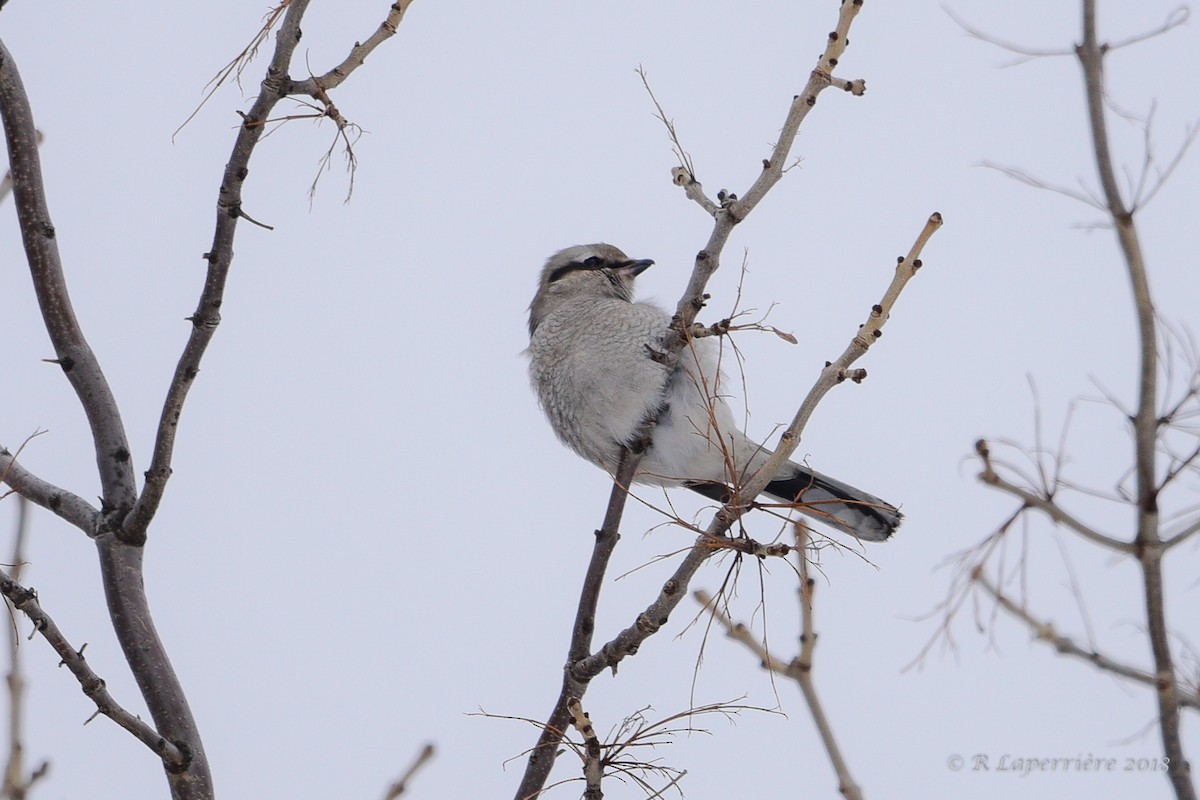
(595, 362)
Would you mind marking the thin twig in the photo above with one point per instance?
(800, 668)
(967, 561)
(1182, 536)
(238, 63)
(685, 174)
(1177, 17)
(400, 785)
(1084, 194)
(17, 782)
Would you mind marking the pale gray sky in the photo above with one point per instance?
(371, 532)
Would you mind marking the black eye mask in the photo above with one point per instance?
(590, 263)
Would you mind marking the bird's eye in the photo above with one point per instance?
(589, 263)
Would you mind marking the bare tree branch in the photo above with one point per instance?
(177, 740)
(593, 767)
(72, 352)
(70, 507)
(239, 62)
(803, 668)
(1045, 631)
(1083, 194)
(582, 667)
(358, 54)
(1178, 16)
(838, 370)
(220, 257)
(1045, 504)
(1145, 421)
(275, 86)
(400, 785)
(684, 174)
(732, 210)
(800, 668)
(1183, 535)
(18, 782)
(1021, 50)
(1181, 465)
(1144, 196)
(541, 757)
(120, 527)
(1149, 427)
(648, 622)
(25, 601)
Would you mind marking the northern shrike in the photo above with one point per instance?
(596, 366)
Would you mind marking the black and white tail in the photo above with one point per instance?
(835, 503)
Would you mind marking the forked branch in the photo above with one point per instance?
(71, 350)
(731, 210)
(581, 665)
(673, 590)
(120, 526)
(1145, 422)
(275, 86)
(1145, 545)
(800, 668)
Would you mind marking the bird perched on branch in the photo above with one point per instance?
(597, 363)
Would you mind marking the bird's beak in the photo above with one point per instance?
(635, 268)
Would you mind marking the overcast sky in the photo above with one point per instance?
(371, 533)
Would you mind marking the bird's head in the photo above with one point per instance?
(586, 270)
